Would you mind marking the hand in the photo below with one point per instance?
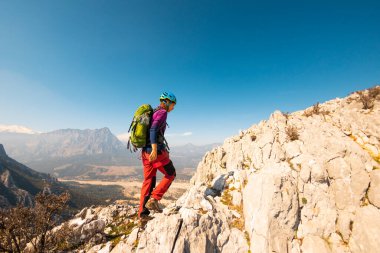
(153, 156)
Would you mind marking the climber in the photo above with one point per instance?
(155, 156)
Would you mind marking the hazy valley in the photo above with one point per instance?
(90, 154)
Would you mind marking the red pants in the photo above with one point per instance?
(163, 164)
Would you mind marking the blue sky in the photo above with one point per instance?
(89, 64)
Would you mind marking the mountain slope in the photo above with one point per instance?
(308, 181)
(19, 184)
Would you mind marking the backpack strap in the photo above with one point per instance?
(163, 137)
(131, 128)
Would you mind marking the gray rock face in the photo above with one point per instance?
(274, 212)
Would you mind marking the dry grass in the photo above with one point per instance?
(308, 113)
(246, 163)
(247, 238)
(374, 92)
(369, 96)
(286, 115)
(238, 223)
(292, 133)
(315, 110)
(367, 101)
(226, 199)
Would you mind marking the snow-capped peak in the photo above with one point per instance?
(17, 129)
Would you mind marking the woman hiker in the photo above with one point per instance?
(156, 157)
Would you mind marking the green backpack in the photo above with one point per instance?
(139, 127)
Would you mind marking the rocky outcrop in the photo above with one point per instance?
(96, 229)
(19, 184)
(2, 151)
(301, 182)
(374, 189)
(274, 213)
(13, 190)
(300, 195)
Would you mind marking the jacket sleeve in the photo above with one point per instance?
(159, 119)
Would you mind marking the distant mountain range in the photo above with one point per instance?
(60, 144)
(87, 154)
(19, 184)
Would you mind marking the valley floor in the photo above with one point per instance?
(132, 189)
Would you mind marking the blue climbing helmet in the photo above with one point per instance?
(168, 95)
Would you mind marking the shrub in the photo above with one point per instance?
(292, 133)
(367, 100)
(316, 108)
(286, 114)
(22, 225)
(308, 113)
(374, 92)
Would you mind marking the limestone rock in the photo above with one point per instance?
(236, 242)
(314, 244)
(236, 198)
(122, 247)
(374, 189)
(344, 224)
(366, 230)
(270, 208)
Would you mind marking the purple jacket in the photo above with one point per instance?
(157, 130)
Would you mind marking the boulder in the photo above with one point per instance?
(271, 208)
(314, 244)
(374, 189)
(366, 230)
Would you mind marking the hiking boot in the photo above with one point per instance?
(143, 220)
(153, 204)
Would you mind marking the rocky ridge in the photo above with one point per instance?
(15, 186)
(301, 182)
